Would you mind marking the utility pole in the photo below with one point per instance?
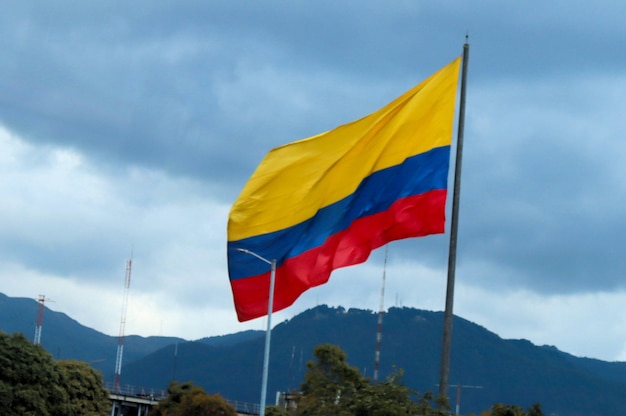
(458, 395)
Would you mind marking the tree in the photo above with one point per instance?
(333, 387)
(32, 383)
(330, 383)
(29, 379)
(535, 410)
(83, 384)
(500, 409)
(189, 400)
(273, 410)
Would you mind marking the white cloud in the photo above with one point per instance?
(588, 324)
(174, 232)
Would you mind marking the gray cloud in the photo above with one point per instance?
(138, 125)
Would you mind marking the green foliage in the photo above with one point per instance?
(275, 411)
(500, 409)
(28, 377)
(535, 410)
(333, 387)
(32, 383)
(189, 400)
(84, 387)
(330, 384)
(428, 405)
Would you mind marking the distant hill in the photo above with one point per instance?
(232, 339)
(65, 338)
(506, 371)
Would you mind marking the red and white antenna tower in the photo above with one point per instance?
(39, 324)
(120, 339)
(379, 330)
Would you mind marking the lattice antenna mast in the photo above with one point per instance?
(379, 329)
(39, 324)
(120, 339)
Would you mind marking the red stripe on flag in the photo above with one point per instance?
(413, 216)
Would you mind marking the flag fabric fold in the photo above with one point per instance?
(327, 201)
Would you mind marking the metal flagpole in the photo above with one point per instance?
(448, 314)
(268, 332)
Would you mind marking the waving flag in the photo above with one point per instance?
(326, 202)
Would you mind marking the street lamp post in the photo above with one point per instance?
(268, 332)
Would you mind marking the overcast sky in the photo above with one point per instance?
(130, 129)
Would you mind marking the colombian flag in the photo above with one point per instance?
(327, 201)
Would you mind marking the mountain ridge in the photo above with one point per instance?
(504, 370)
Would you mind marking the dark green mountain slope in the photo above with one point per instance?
(509, 371)
(232, 339)
(65, 338)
